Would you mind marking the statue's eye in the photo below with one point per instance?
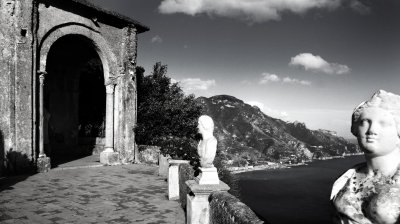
(364, 122)
(385, 123)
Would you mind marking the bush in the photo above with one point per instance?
(166, 116)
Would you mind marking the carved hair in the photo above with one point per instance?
(206, 122)
(383, 100)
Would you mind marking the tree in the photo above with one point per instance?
(166, 116)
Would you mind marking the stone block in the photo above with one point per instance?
(198, 207)
(43, 164)
(148, 154)
(173, 178)
(163, 165)
(109, 158)
(208, 176)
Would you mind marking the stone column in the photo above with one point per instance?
(198, 206)
(173, 178)
(109, 141)
(108, 156)
(43, 162)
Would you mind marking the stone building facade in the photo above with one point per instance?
(67, 82)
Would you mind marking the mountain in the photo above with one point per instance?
(243, 131)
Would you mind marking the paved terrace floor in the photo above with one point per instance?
(94, 194)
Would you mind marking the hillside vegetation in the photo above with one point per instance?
(245, 133)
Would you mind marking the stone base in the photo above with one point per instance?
(163, 165)
(109, 158)
(198, 207)
(43, 164)
(207, 176)
(173, 178)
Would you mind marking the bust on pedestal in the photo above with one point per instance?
(207, 149)
(198, 207)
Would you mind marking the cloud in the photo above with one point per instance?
(252, 11)
(157, 39)
(267, 77)
(360, 7)
(296, 81)
(317, 64)
(191, 84)
(246, 82)
(257, 104)
(268, 111)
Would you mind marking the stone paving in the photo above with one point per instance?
(114, 194)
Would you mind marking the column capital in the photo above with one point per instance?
(42, 75)
(110, 88)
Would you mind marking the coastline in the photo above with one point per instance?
(275, 165)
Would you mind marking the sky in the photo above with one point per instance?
(311, 61)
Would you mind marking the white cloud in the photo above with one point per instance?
(283, 115)
(268, 77)
(252, 11)
(296, 81)
(257, 104)
(360, 7)
(191, 84)
(174, 80)
(157, 39)
(316, 63)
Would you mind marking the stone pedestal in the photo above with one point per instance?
(207, 176)
(163, 165)
(173, 178)
(109, 158)
(198, 207)
(43, 164)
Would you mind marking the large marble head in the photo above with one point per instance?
(383, 100)
(206, 124)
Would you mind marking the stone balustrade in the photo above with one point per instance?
(222, 207)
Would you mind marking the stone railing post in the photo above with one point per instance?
(198, 206)
(173, 178)
(163, 165)
(43, 162)
(108, 156)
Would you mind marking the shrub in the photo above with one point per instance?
(166, 116)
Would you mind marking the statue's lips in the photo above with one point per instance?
(372, 139)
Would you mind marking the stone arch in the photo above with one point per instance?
(101, 46)
(108, 61)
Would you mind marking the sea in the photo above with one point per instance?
(295, 195)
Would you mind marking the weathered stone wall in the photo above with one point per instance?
(186, 172)
(227, 209)
(148, 154)
(126, 88)
(16, 66)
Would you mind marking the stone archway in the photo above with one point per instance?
(88, 45)
(74, 100)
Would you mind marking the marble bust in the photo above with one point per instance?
(207, 146)
(370, 191)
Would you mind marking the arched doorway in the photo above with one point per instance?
(74, 100)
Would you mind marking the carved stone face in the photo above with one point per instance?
(377, 132)
(200, 128)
